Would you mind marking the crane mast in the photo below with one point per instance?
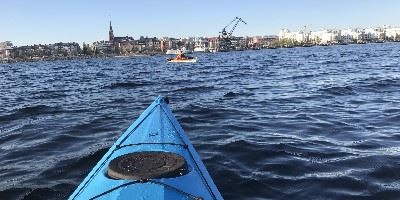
(225, 37)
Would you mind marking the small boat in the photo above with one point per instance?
(186, 60)
(172, 52)
(176, 51)
(152, 160)
(200, 49)
(200, 45)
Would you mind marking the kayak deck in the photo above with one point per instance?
(156, 130)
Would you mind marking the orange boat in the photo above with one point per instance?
(180, 57)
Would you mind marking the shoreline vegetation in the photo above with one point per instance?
(75, 57)
(84, 54)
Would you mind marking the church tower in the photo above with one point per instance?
(111, 34)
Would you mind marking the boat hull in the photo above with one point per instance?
(156, 130)
(183, 61)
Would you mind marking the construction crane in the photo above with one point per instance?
(225, 37)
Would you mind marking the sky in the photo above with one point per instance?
(27, 22)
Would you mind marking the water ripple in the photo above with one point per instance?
(301, 123)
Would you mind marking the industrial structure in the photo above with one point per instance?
(226, 40)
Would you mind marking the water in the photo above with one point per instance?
(302, 123)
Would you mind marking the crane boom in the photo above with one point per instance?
(237, 22)
(225, 38)
(231, 22)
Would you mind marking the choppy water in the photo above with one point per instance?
(302, 123)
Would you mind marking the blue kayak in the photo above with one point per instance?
(153, 159)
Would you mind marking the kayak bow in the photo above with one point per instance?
(153, 159)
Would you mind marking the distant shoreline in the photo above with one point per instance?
(106, 56)
(82, 57)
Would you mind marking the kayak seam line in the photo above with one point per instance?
(176, 189)
(134, 129)
(191, 156)
(173, 124)
(150, 143)
(202, 175)
(112, 152)
(149, 181)
(108, 191)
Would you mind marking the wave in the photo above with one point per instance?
(338, 90)
(30, 111)
(127, 85)
(187, 89)
(231, 94)
(383, 84)
(265, 123)
(59, 191)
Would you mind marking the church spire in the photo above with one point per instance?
(111, 34)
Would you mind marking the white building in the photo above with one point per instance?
(375, 34)
(285, 34)
(345, 36)
(5, 49)
(325, 37)
(298, 36)
(200, 45)
(393, 33)
(352, 35)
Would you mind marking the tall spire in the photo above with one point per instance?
(111, 34)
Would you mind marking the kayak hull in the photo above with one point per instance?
(156, 130)
(183, 61)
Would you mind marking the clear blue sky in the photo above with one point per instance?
(48, 21)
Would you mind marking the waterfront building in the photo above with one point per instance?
(171, 43)
(164, 44)
(316, 37)
(6, 50)
(25, 52)
(302, 36)
(200, 45)
(153, 44)
(375, 34)
(268, 41)
(66, 49)
(240, 43)
(325, 37)
(346, 36)
(189, 43)
(103, 47)
(286, 34)
(213, 44)
(265, 41)
(255, 42)
(123, 45)
(5, 53)
(352, 35)
(258, 42)
(393, 34)
(43, 51)
(5, 44)
(147, 45)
